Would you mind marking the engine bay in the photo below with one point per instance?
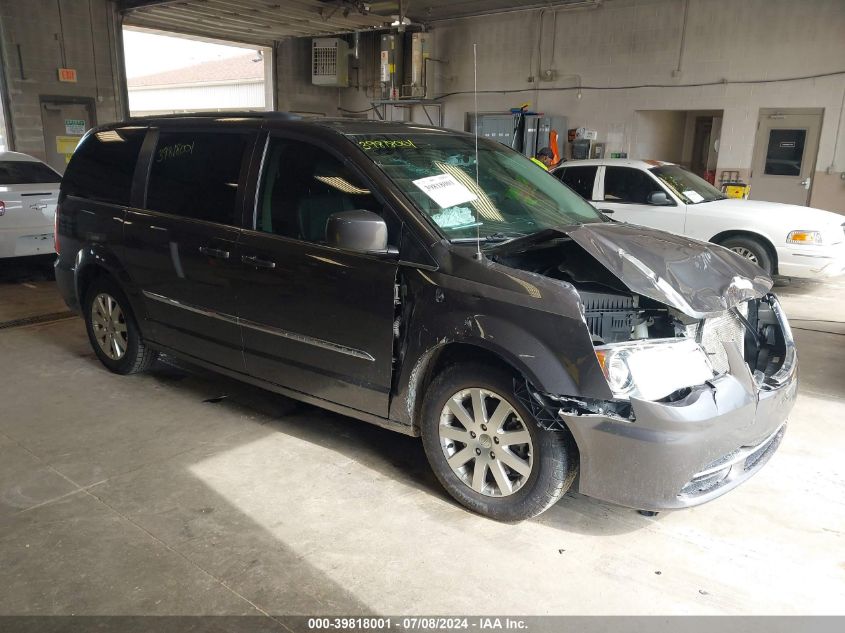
(613, 314)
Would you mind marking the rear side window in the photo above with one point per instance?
(580, 180)
(197, 174)
(103, 165)
(19, 172)
(625, 184)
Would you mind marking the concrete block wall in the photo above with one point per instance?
(638, 42)
(90, 45)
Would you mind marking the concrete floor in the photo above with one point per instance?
(148, 495)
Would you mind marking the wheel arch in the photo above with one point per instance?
(436, 360)
(93, 263)
(758, 237)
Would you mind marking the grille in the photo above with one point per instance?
(324, 62)
(705, 483)
(727, 468)
(726, 328)
(762, 454)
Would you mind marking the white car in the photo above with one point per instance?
(782, 239)
(29, 190)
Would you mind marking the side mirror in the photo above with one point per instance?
(659, 199)
(360, 230)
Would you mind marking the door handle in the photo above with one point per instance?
(805, 183)
(217, 253)
(252, 260)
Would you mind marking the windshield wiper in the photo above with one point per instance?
(492, 238)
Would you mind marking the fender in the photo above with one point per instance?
(100, 256)
(540, 335)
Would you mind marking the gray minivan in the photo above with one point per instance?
(402, 275)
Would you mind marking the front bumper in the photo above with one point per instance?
(812, 262)
(679, 454)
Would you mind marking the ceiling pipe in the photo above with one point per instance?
(549, 6)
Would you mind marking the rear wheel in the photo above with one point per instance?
(752, 250)
(487, 450)
(113, 331)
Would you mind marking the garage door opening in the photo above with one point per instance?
(687, 137)
(171, 74)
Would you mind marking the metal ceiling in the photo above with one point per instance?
(264, 21)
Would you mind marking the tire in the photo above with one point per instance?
(113, 330)
(752, 250)
(547, 461)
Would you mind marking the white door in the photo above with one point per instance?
(785, 156)
(627, 191)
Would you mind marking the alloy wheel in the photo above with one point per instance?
(109, 326)
(486, 443)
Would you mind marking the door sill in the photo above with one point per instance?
(385, 423)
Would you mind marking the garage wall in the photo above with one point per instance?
(659, 134)
(638, 42)
(38, 27)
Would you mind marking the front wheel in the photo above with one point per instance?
(750, 249)
(113, 331)
(488, 451)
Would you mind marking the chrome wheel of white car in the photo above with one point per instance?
(109, 326)
(746, 253)
(752, 249)
(486, 443)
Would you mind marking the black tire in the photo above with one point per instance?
(136, 355)
(752, 249)
(553, 460)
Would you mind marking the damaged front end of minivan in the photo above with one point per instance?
(697, 358)
(696, 352)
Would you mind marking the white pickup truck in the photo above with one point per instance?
(29, 190)
(782, 239)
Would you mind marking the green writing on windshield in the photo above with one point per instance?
(387, 144)
(174, 151)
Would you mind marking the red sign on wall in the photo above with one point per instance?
(67, 74)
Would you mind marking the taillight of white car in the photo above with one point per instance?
(2, 208)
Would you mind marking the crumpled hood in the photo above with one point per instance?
(697, 278)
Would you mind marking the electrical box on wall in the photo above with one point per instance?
(329, 62)
(419, 49)
(390, 65)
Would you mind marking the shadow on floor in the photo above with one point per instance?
(15, 270)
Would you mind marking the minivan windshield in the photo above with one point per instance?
(686, 185)
(501, 196)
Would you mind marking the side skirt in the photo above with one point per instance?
(385, 423)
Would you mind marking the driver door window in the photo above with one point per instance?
(626, 192)
(624, 184)
(302, 186)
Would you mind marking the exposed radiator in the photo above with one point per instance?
(725, 328)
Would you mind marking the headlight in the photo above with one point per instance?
(651, 370)
(804, 237)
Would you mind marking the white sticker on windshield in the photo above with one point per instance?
(693, 196)
(445, 190)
